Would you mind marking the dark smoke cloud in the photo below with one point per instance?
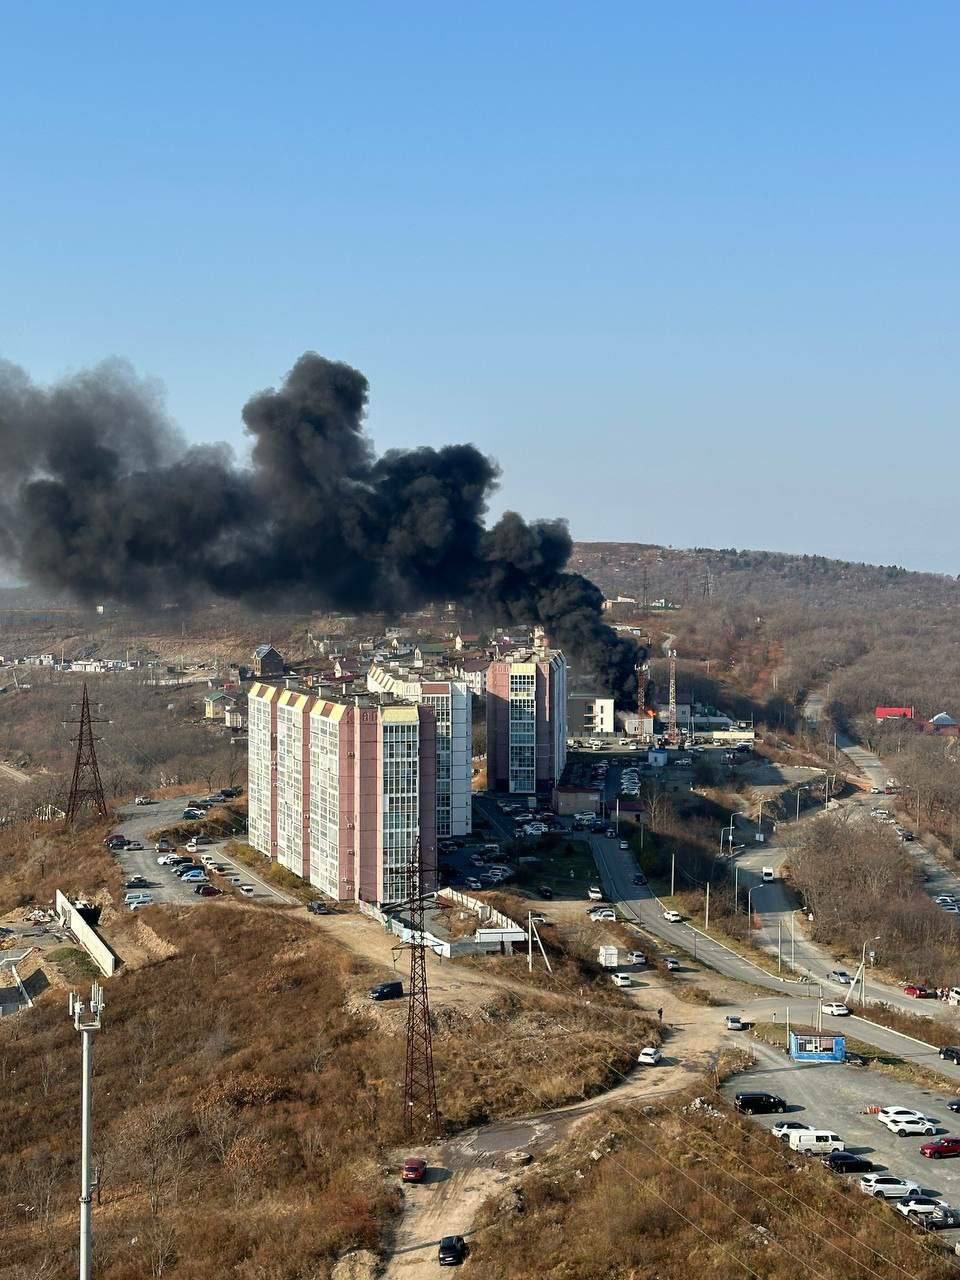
(101, 496)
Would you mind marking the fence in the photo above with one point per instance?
(86, 935)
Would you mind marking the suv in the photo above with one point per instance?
(917, 990)
(940, 1148)
(318, 908)
(951, 1053)
(910, 1124)
(846, 1162)
(885, 1114)
(414, 1169)
(886, 1187)
(452, 1251)
(752, 1104)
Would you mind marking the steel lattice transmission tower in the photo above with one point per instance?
(421, 1117)
(673, 733)
(86, 787)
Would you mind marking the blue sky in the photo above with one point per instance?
(688, 272)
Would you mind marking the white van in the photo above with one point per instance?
(144, 899)
(768, 875)
(814, 1142)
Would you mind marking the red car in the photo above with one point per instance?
(414, 1169)
(941, 1147)
(918, 990)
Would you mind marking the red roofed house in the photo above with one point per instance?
(894, 713)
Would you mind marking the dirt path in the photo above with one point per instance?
(466, 1171)
(14, 774)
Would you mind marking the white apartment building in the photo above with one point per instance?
(587, 715)
(452, 706)
(526, 720)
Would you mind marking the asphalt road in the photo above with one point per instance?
(137, 820)
(835, 1097)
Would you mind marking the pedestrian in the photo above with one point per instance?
(660, 1014)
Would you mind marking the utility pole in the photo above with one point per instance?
(706, 914)
(85, 787)
(672, 732)
(87, 1026)
(673, 868)
(736, 887)
(779, 953)
(420, 1113)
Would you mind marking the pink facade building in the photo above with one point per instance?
(526, 720)
(341, 789)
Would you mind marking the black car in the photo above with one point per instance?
(453, 1250)
(758, 1103)
(545, 891)
(951, 1052)
(953, 1104)
(639, 878)
(318, 908)
(847, 1162)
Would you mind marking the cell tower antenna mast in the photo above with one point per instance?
(673, 733)
(421, 1117)
(85, 787)
(86, 1019)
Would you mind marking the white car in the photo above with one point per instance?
(595, 893)
(789, 1126)
(911, 1125)
(950, 907)
(899, 1113)
(621, 979)
(673, 917)
(624, 844)
(886, 1187)
(649, 1056)
(604, 913)
(944, 897)
(921, 1206)
(835, 1008)
(636, 957)
(671, 963)
(246, 889)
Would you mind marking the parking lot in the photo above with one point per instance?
(135, 823)
(836, 1097)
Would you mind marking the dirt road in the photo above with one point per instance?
(466, 1171)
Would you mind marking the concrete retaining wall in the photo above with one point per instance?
(86, 936)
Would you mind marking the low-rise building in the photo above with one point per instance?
(588, 714)
(267, 662)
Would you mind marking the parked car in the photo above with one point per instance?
(899, 1113)
(673, 917)
(783, 1128)
(921, 1206)
(610, 833)
(208, 890)
(911, 1125)
(841, 976)
(545, 891)
(621, 979)
(847, 1162)
(603, 913)
(452, 1251)
(917, 990)
(191, 815)
(135, 846)
(835, 1008)
(951, 1053)
(413, 1170)
(636, 957)
(649, 1056)
(886, 1187)
(671, 963)
(386, 991)
(144, 800)
(953, 1104)
(318, 908)
(472, 882)
(136, 882)
(246, 890)
(854, 1059)
(752, 1104)
(733, 1022)
(595, 893)
(941, 1147)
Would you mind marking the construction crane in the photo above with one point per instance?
(673, 733)
(641, 669)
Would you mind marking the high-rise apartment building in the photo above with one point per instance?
(342, 788)
(526, 720)
(452, 704)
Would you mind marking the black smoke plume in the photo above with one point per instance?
(101, 496)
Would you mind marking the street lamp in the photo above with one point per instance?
(863, 967)
(729, 828)
(805, 786)
(793, 938)
(750, 893)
